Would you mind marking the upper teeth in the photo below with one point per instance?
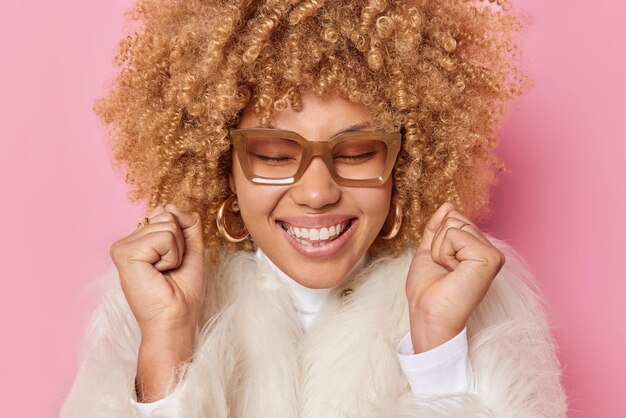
(316, 234)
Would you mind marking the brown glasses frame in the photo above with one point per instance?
(312, 149)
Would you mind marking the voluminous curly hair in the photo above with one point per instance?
(442, 72)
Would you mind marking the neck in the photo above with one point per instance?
(308, 301)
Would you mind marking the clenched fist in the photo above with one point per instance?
(161, 269)
(450, 274)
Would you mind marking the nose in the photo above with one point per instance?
(316, 188)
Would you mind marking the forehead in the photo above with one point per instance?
(319, 117)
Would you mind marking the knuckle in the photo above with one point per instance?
(502, 258)
(491, 259)
(447, 228)
(118, 252)
(168, 216)
(156, 210)
(171, 235)
(455, 213)
(116, 248)
(449, 220)
(494, 258)
(113, 250)
(171, 226)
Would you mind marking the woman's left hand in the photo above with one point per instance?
(450, 274)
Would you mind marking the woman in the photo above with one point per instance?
(313, 169)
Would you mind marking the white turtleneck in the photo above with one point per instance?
(308, 301)
(440, 371)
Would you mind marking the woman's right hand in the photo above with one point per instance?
(161, 270)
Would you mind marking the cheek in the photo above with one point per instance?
(256, 202)
(375, 202)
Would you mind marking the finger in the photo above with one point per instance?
(172, 224)
(157, 248)
(471, 228)
(191, 227)
(433, 225)
(460, 246)
(454, 219)
(157, 210)
(448, 222)
(468, 227)
(167, 225)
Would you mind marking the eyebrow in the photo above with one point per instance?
(353, 128)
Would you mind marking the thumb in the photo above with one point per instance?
(433, 225)
(191, 227)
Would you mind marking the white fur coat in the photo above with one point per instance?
(252, 359)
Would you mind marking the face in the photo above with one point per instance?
(314, 202)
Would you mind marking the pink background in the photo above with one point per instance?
(562, 207)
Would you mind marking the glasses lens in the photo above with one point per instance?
(272, 157)
(360, 159)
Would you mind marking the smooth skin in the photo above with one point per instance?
(161, 265)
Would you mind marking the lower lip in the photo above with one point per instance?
(329, 249)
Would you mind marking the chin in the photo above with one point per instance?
(318, 278)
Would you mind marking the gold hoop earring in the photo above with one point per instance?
(230, 203)
(397, 222)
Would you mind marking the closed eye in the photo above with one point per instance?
(358, 156)
(273, 159)
(267, 158)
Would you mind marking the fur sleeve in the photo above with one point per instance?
(104, 382)
(516, 367)
(512, 352)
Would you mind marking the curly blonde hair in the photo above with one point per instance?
(441, 72)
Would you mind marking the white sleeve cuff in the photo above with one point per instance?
(442, 370)
(146, 408)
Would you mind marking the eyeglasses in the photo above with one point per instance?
(276, 156)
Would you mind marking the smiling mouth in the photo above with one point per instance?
(317, 237)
